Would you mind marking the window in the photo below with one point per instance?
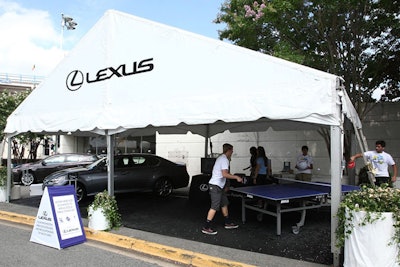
(121, 162)
(153, 161)
(126, 161)
(139, 160)
(55, 159)
(72, 158)
(129, 144)
(87, 158)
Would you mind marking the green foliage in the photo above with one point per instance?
(357, 40)
(9, 101)
(109, 206)
(3, 176)
(374, 200)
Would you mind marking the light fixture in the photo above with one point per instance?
(69, 24)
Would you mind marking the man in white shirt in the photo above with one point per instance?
(304, 165)
(217, 189)
(380, 161)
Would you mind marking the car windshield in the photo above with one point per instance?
(56, 159)
(98, 163)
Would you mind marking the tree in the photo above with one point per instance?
(358, 40)
(9, 101)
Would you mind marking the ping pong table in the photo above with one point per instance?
(287, 196)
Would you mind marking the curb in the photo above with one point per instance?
(181, 256)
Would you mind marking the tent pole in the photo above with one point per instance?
(9, 180)
(110, 165)
(205, 146)
(206, 138)
(336, 187)
(364, 147)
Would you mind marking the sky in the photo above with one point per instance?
(33, 42)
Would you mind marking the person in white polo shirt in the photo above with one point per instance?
(217, 190)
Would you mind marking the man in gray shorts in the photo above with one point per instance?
(217, 189)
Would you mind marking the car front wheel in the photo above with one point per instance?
(80, 192)
(27, 178)
(163, 187)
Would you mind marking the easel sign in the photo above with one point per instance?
(58, 223)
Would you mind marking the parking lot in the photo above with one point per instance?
(176, 216)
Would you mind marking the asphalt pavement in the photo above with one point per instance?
(170, 229)
(18, 251)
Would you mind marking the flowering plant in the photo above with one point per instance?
(109, 206)
(374, 200)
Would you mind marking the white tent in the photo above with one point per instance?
(134, 76)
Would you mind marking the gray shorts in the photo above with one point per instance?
(218, 197)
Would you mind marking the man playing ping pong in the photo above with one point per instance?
(217, 186)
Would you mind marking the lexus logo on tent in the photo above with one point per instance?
(76, 78)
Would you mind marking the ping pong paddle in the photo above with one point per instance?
(351, 164)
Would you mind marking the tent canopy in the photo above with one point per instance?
(132, 75)
(129, 75)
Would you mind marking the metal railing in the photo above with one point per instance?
(8, 78)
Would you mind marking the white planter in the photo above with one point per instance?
(368, 245)
(97, 219)
(36, 189)
(15, 192)
(3, 194)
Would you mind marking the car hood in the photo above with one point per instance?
(67, 171)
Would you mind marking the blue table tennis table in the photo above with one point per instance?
(287, 196)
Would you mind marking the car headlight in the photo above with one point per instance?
(60, 180)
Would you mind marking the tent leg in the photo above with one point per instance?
(364, 147)
(336, 181)
(9, 180)
(206, 139)
(336, 259)
(110, 165)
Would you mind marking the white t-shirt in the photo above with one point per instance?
(221, 163)
(380, 162)
(303, 162)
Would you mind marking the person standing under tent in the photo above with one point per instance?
(262, 171)
(217, 189)
(304, 165)
(253, 162)
(380, 161)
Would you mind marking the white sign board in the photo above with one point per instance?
(58, 223)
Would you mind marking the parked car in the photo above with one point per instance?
(35, 172)
(132, 173)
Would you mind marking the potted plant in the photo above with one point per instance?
(103, 212)
(369, 226)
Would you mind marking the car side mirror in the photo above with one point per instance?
(44, 163)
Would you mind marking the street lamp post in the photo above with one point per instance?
(69, 24)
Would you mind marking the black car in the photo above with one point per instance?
(132, 173)
(35, 172)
